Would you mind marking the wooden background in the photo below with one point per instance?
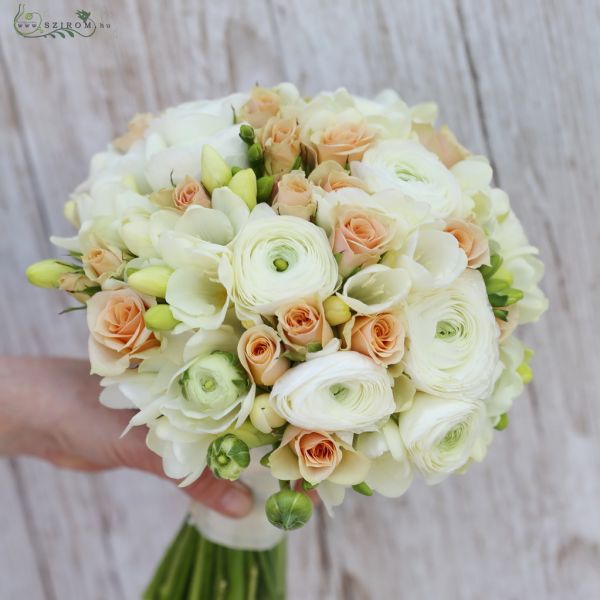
(519, 81)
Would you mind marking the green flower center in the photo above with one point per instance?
(280, 264)
(445, 330)
(338, 391)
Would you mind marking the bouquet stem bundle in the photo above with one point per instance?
(194, 568)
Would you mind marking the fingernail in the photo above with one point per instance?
(236, 500)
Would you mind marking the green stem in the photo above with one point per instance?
(174, 586)
(199, 575)
(235, 574)
(164, 566)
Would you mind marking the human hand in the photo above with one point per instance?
(49, 409)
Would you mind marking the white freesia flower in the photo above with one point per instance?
(338, 392)
(375, 289)
(183, 453)
(442, 435)
(198, 291)
(453, 339)
(510, 384)
(277, 260)
(391, 472)
(406, 165)
(433, 258)
(520, 259)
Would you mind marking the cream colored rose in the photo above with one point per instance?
(472, 240)
(294, 196)
(316, 456)
(117, 331)
(135, 131)
(380, 336)
(101, 263)
(442, 142)
(302, 324)
(260, 352)
(360, 237)
(280, 139)
(189, 192)
(331, 176)
(342, 141)
(262, 105)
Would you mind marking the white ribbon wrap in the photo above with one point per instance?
(252, 532)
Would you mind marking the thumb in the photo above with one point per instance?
(232, 499)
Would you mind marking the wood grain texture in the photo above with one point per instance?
(517, 81)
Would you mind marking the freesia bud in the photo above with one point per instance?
(524, 370)
(336, 311)
(46, 273)
(215, 171)
(264, 188)
(390, 259)
(243, 183)
(502, 422)
(247, 134)
(151, 280)
(263, 415)
(227, 457)
(160, 318)
(255, 154)
(288, 509)
(363, 488)
(71, 213)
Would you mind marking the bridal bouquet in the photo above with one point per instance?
(313, 295)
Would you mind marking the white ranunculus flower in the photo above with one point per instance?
(453, 339)
(278, 259)
(183, 453)
(345, 391)
(406, 165)
(391, 472)
(433, 258)
(211, 391)
(375, 289)
(442, 435)
(199, 289)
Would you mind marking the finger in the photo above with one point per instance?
(64, 461)
(230, 498)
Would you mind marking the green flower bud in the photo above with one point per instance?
(255, 154)
(215, 171)
(288, 509)
(264, 188)
(363, 488)
(160, 318)
(71, 213)
(502, 423)
(336, 311)
(151, 280)
(227, 457)
(46, 273)
(212, 384)
(247, 134)
(524, 370)
(263, 415)
(243, 183)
